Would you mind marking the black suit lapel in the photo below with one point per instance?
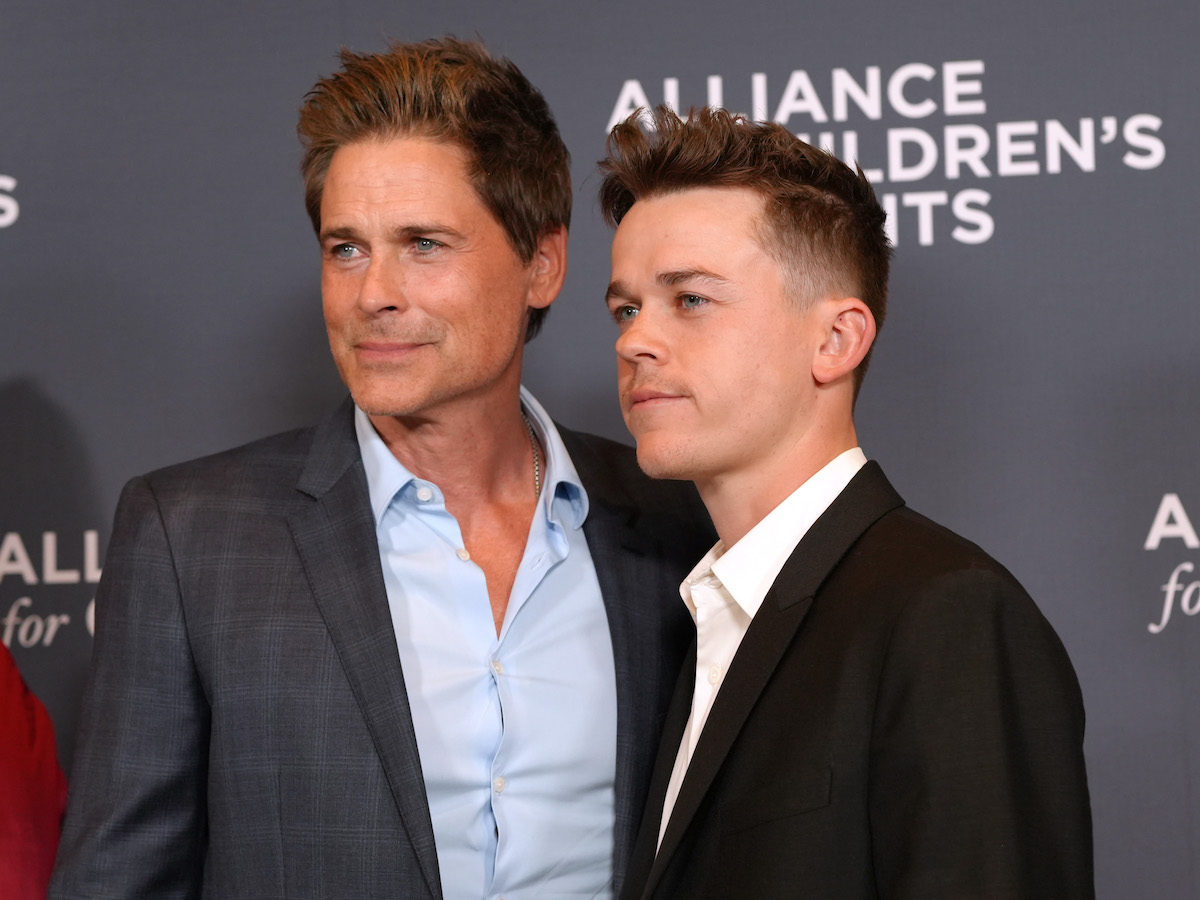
(865, 499)
(336, 540)
(624, 577)
(643, 858)
(640, 588)
(769, 635)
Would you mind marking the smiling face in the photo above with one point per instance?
(424, 297)
(714, 357)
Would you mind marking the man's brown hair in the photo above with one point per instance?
(453, 91)
(821, 221)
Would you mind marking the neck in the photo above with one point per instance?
(478, 452)
(738, 500)
(473, 459)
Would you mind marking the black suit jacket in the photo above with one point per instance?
(246, 731)
(899, 721)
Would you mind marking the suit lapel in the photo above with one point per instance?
(636, 583)
(643, 858)
(617, 571)
(865, 499)
(335, 536)
(769, 635)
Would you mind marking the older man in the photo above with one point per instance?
(419, 650)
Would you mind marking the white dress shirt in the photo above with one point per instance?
(726, 588)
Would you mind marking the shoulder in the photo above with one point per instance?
(211, 508)
(888, 563)
(243, 487)
(869, 545)
(271, 464)
(610, 473)
(263, 466)
(869, 532)
(599, 459)
(650, 512)
(942, 591)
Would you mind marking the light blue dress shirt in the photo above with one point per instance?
(517, 732)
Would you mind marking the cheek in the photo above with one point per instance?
(333, 317)
(338, 298)
(340, 324)
(625, 370)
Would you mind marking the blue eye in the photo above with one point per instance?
(425, 245)
(691, 301)
(346, 252)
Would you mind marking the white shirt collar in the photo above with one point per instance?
(749, 568)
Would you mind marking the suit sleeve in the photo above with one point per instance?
(136, 824)
(978, 787)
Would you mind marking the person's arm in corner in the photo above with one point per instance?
(33, 791)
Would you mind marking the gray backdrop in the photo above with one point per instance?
(1033, 388)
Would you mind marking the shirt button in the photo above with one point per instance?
(424, 494)
(498, 784)
(463, 554)
(714, 674)
(499, 668)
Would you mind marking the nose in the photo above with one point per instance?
(641, 340)
(382, 288)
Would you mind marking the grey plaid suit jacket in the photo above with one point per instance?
(246, 731)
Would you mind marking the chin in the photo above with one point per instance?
(376, 402)
(660, 460)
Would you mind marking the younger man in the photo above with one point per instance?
(875, 707)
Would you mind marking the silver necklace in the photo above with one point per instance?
(537, 457)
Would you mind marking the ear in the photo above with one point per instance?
(548, 268)
(849, 334)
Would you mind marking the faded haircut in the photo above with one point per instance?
(821, 221)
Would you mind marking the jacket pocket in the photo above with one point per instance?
(793, 794)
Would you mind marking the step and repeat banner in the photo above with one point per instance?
(1035, 387)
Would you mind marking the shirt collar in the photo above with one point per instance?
(386, 475)
(560, 478)
(749, 568)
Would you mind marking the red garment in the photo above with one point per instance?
(33, 791)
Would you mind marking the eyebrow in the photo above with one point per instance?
(619, 290)
(337, 234)
(399, 233)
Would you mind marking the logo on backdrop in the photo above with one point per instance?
(42, 569)
(1172, 528)
(9, 208)
(907, 155)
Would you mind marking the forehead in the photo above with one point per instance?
(692, 226)
(397, 168)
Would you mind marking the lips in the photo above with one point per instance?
(650, 398)
(376, 346)
(387, 346)
(380, 351)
